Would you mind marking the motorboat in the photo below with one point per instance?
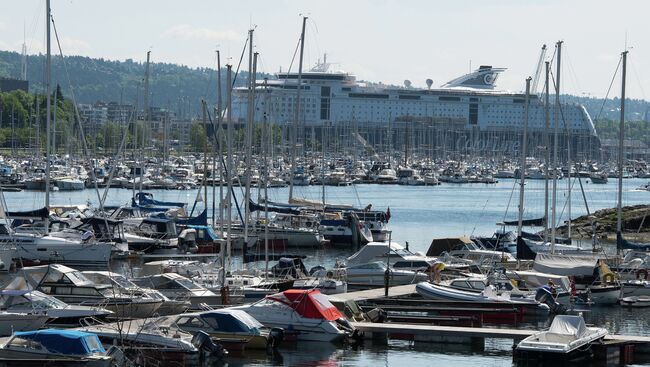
(55, 347)
(488, 295)
(306, 315)
(164, 306)
(379, 251)
(73, 287)
(31, 301)
(234, 329)
(178, 287)
(146, 338)
(373, 274)
(478, 284)
(635, 301)
(568, 338)
(21, 321)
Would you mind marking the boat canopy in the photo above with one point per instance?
(440, 245)
(311, 304)
(72, 342)
(146, 199)
(231, 321)
(199, 220)
(565, 264)
(571, 325)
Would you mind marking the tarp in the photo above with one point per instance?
(38, 213)
(145, 198)
(440, 245)
(568, 325)
(524, 252)
(273, 208)
(622, 243)
(199, 220)
(65, 341)
(569, 265)
(231, 321)
(535, 222)
(311, 304)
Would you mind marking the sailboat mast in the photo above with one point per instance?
(229, 165)
(252, 60)
(48, 77)
(555, 145)
(621, 134)
(214, 150)
(522, 167)
(296, 119)
(146, 118)
(547, 157)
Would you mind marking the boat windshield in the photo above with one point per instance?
(41, 300)
(187, 284)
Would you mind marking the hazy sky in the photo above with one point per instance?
(380, 40)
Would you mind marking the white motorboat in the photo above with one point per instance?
(568, 338)
(30, 301)
(178, 287)
(635, 301)
(306, 315)
(19, 321)
(373, 275)
(54, 347)
(73, 287)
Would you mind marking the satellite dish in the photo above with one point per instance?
(429, 83)
(407, 83)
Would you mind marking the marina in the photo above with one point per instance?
(312, 216)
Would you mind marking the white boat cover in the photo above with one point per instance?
(565, 264)
(569, 325)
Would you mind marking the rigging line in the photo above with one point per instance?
(480, 216)
(610, 88)
(241, 58)
(638, 80)
(571, 68)
(512, 191)
(81, 131)
(565, 202)
(295, 52)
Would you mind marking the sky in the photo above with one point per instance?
(385, 41)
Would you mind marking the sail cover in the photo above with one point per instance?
(622, 243)
(535, 222)
(565, 265)
(311, 304)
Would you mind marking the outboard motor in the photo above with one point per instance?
(545, 296)
(376, 315)
(202, 341)
(276, 336)
(316, 269)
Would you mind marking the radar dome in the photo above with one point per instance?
(407, 83)
(429, 83)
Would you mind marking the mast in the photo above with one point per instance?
(547, 156)
(252, 60)
(146, 118)
(621, 134)
(555, 145)
(297, 116)
(522, 167)
(229, 167)
(220, 151)
(48, 77)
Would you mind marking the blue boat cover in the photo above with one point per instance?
(232, 322)
(71, 342)
(208, 233)
(146, 199)
(199, 220)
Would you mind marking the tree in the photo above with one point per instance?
(198, 137)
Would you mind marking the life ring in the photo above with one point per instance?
(609, 277)
(643, 272)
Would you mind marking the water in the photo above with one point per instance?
(419, 214)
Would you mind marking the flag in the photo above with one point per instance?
(388, 214)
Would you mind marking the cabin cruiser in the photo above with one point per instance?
(73, 287)
(379, 251)
(372, 274)
(567, 339)
(31, 301)
(178, 287)
(20, 321)
(234, 329)
(165, 343)
(56, 347)
(32, 248)
(124, 285)
(488, 295)
(306, 315)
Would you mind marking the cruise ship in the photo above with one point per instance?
(481, 115)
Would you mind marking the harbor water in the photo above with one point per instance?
(418, 214)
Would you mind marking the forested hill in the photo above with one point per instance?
(172, 86)
(176, 87)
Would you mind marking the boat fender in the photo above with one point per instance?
(643, 272)
(609, 278)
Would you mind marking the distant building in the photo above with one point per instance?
(119, 113)
(10, 85)
(93, 116)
